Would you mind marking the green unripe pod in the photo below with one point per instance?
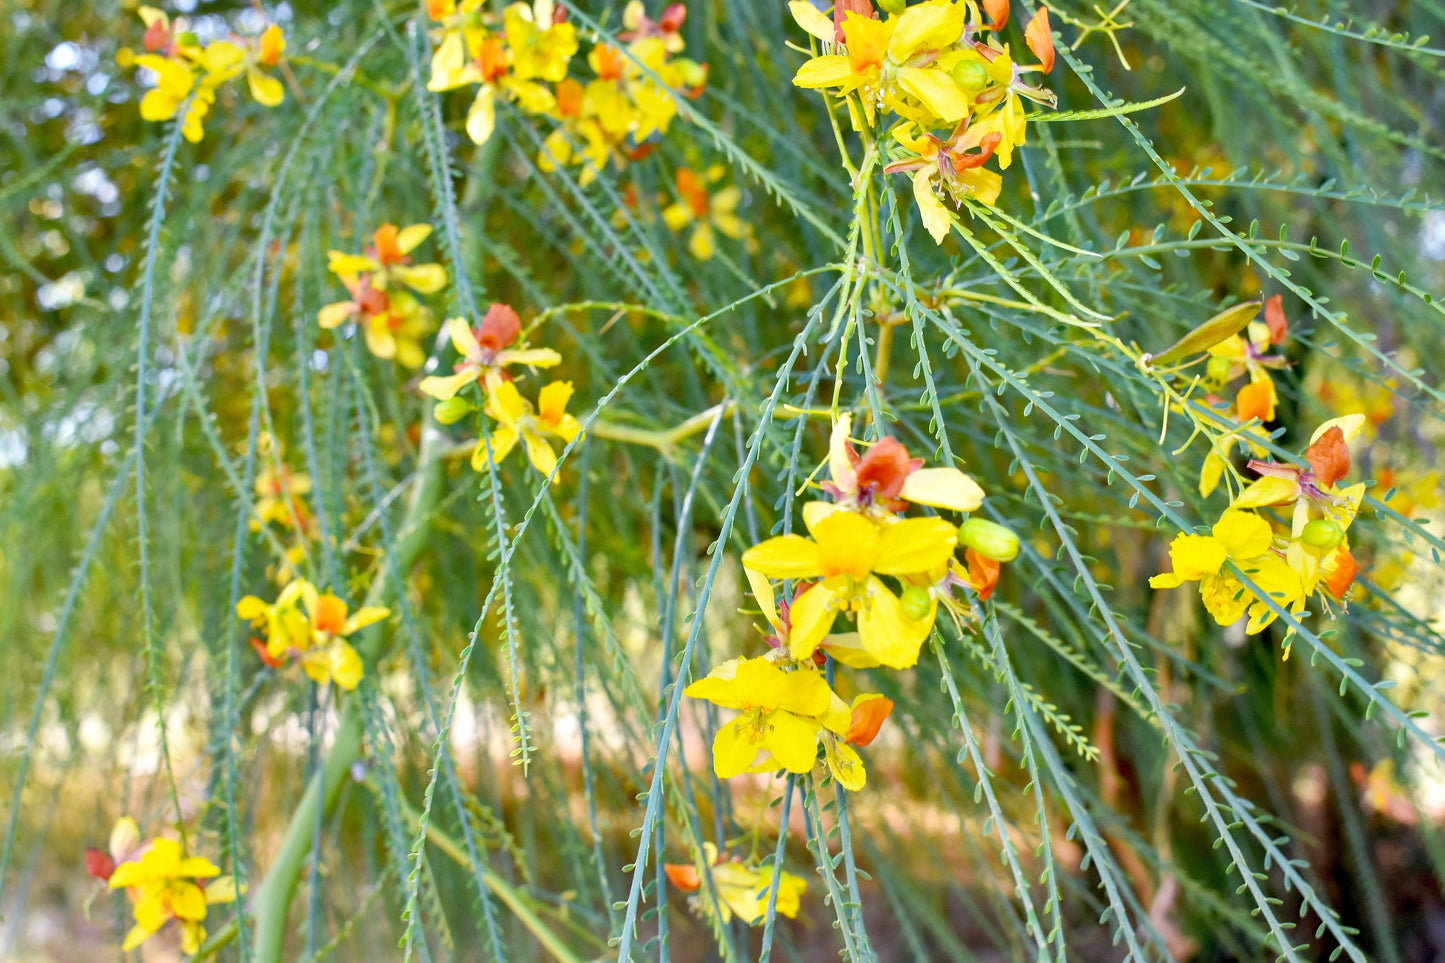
(915, 602)
(970, 75)
(989, 539)
(1322, 535)
(187, 39)
(452, 410)
(893, 7)
(1218, 369)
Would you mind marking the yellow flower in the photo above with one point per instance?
(392, 324)
(708, 212)
(313, 628)
(894, 62)
(779, 720)
(886, 479)
(388, 259)
(470, 55)
(953, 167)
(1245, 539)
(486, 353)
(517, 421)
(279, 499)
(743, 889)
(847, 554)
(541, 45)
(164, 884)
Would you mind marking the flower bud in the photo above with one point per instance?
(452, 410)
(915, 602)
(1218, 369)
(893, 7)
(970, 75)
(989, 539)
(187, 39)
(1322, 535)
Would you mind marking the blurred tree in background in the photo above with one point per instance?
(335, 628)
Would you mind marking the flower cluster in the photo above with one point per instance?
(526, 61)
(485, 354)
(188, 73)
(389, 316)
(743, 889)
(305, 626)
(1289, 559)
(162, 882)
(940, 69)
(861, 563)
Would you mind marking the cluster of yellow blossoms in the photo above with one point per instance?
(860, 563)
(387, 314)
(305, 626)
(188, 74)
(935, 66)
(162, 882)
(525, 61)
(1288, 559)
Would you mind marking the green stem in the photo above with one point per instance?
(272, 900)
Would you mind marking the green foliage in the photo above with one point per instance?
(1081, 768)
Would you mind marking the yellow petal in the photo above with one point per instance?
(343, 264)
(924, 27)
(936, 91)
(443, 387)
(810, 618)
(829, 71)
(1269, 490)
(265, 89)
(1210, 473)
(1350, 425)
(1195, 556)
(847, 648)
(125, 836)
(333, 315)
(813, 21)
(733, 750)
(888, 635)
(915, 545)
(762, 590)
(1244, 535)
(802, 691)
(786, 556)
(845, 764)
(367, 615)
(222, 889)
(345, 665)
(422, 278)
(701, 245)
(942, 488)
(157, 105)
(503, 439)
(409, 237)
(840, 466)
(482, 117)
(936, 217)
(792, 740)
(539, 453)
(249, 608)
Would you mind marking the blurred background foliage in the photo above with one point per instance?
(1313, 131)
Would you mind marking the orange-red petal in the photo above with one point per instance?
(1329, 456)
(869, 714)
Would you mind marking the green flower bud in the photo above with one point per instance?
(915, 603)
(452, 410)
(893, 7)
(187, 39)
(1218, 369)
(970, 75)
(989, 539)
(1322, 535)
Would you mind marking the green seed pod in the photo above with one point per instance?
(1322, 535)
(970, 75)
(452, 410)
(893, 7)
(187, 39)
(915, 603)
(989, 539)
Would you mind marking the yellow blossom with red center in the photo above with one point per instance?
(709, 213)
(305, 625)
(518, 421)
(165, 884)
(743, 889)
(847, 554)
(486, 353)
